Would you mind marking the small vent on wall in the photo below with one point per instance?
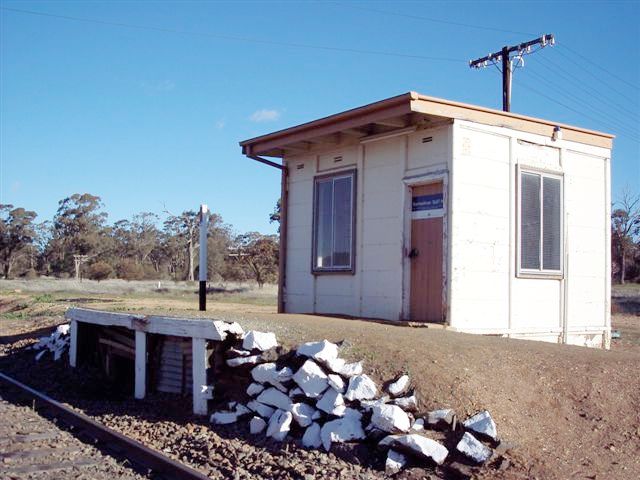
(300, 166)
(427, 139)
(337, 159)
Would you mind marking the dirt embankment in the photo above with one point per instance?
(572, 412)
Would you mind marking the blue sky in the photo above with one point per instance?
(151, 118)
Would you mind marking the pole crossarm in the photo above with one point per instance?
(547, 39)
(504, 56)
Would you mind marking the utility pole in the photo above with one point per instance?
(202, 270)
(504, 56)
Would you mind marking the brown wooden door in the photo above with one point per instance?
(427, 209)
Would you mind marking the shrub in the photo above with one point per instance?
(30, 274)
(129, 270)
(100, 270)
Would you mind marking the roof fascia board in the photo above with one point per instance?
(435, 106)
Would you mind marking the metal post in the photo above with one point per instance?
(202, 270)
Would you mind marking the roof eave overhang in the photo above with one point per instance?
(275, 144)
(271, 143)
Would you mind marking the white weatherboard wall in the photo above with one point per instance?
(484, 294)
(376, 288)
(488, 296)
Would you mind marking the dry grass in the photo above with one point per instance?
(234, 292)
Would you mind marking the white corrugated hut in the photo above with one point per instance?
(423, 209)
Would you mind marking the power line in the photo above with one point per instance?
(607, 84)
(599, 120)
(612, 121)
(514, 32)
(558, 70)
(431, 19)
(329, 48)
(231, 37)
(600, 67)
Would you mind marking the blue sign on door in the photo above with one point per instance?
(427, 202)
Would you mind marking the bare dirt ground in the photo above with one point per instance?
(572, 412)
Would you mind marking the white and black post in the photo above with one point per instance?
(202, 270)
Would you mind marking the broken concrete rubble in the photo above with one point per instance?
(323, 352)
(410, 404)
(418, 445)
(303, 413)
(237, 361)
(332, 402)
(336, 382)
(418, 425)
(223, 418)
(473, 448)
(261, 409)
(262, 341)
(311, 437)
(390, 418)
(443, 419)
(257, 425)
(361, 387)
(395, 462)
(311, 379)
(254, 389)
(269, 373)
(329, 399)
(275, 398)
(279, 425)
(343, 429)
(483, 424)
(56, 343)
(398, 387)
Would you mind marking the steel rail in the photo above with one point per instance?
(125, 446)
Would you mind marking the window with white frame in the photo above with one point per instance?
(540, 228)
(333, 223)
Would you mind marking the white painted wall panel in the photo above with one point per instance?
(337, 304)
(422, 154)
(299, 236)
(382, 204)
(300, 282)
(378, 231)
(381, 307)
(536, 304)
(331, 284)
(336, 159)
(300, 303)
(480, 231)
(587, 229)
(381, 257)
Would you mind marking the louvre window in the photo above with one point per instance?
(540, 223)
(333, 223)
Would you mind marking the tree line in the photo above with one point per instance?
(79, 242)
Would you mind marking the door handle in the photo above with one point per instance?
(414, 253)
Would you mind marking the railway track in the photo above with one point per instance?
(58, 442)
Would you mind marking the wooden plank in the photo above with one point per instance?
(141, 365)
(97, 317)
(116, 345)
(199, 375)
(73, 345)
(180, 327)
(119, 337)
